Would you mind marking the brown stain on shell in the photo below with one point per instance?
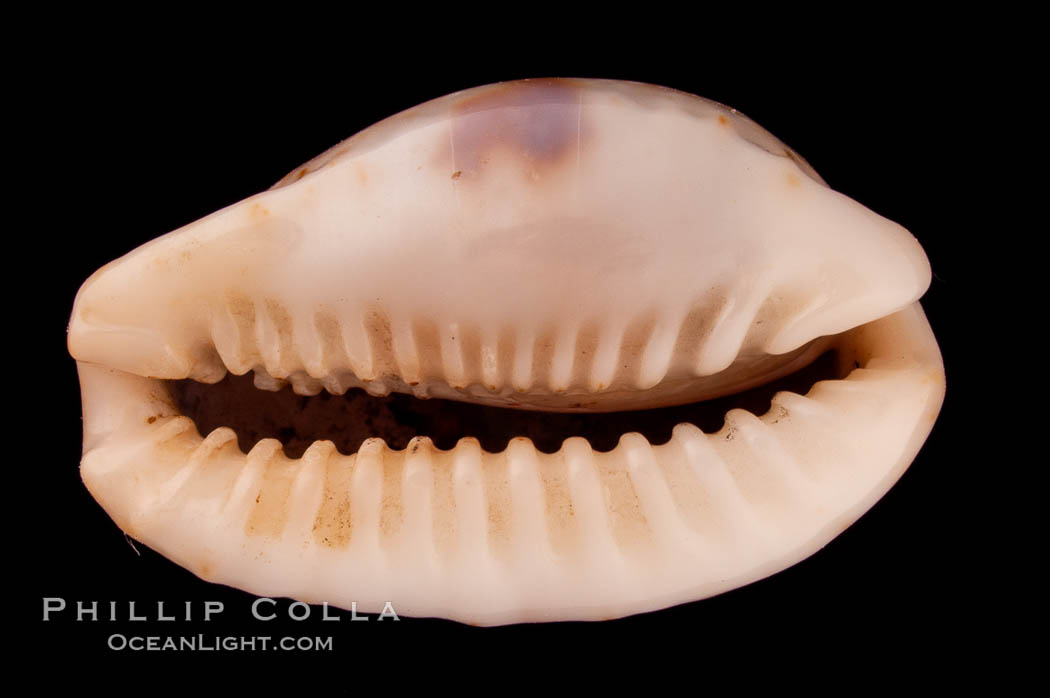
(241, 309)
(427, 339)
(282, 323)
(495, 474)
(583, 361)
(635, 339)
(562, 525)
(543, 352)
(333, 525)
(444, 501)
(391, 507)
(627, 520)
(330, 336)
(381, 343)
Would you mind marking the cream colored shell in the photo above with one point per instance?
(580, 245)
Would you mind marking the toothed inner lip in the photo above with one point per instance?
(349, 419)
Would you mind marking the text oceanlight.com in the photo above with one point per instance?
(216, 643)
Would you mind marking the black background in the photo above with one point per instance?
(137, 145)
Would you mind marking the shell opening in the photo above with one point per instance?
(348, 420)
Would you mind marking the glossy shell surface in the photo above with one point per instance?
(545, 245)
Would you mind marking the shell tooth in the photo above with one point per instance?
(209, 450)
(356, 342)
(174, 428)
(309, 347)
(366, 507)
(490, 359)
(208, 367)
(248, 485)
(523, 345)
(470, 509)
(647, 472)
(728, 332)
(406, 357)
(303, 384)
(276, 339)
(339, 383)
(417, 551)
(529, 532)
(307, 490)
(377, 388)
(724, 513)
(765, 472)
(233, 333)
(562, 359)
(451, 352)
(331, 356)
(591, 509)
(658, 352)
(607, 351)
(264, 381)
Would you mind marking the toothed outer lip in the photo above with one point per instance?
(520, 535)
(495, 538)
